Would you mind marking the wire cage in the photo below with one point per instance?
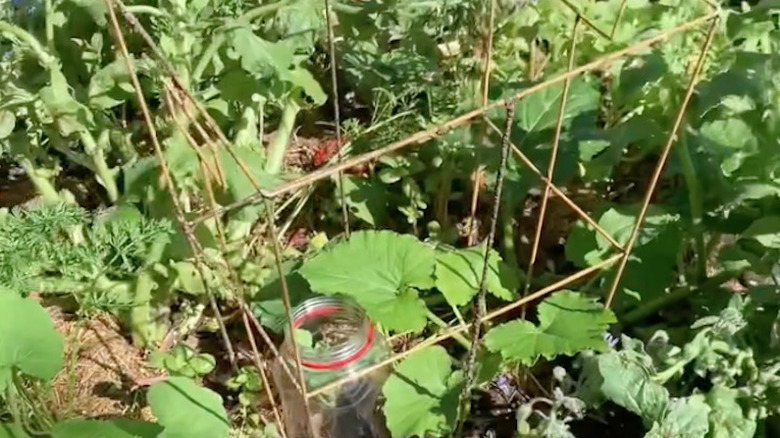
(176, 96)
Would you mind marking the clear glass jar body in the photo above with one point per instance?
(344, 344)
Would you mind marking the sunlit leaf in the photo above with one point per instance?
(568, 323)
(422, 395)
(377, 268)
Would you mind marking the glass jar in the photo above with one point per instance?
(335, 340)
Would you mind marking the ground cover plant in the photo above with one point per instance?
(564, 214)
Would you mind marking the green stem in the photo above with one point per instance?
(259, 11)
(145, 9)
(49, 25)
(104, 174)
(208, 55)
(140, 317)
(42, 183)
(651, 307)
(440, 322)
(30, 41)
(510, 253)
(278, 147)
(696, 204)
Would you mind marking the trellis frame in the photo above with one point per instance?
(176, 96)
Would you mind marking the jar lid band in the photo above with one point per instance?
(338, 363)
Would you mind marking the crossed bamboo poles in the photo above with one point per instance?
(178, 98)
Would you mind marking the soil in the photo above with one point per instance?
(103, 370)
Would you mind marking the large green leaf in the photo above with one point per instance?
(539, 110)
(187, 410)
(9, 430)
(116, 428)
(377, 268)
(7, 123)
(687, 418)
(422, 395)
(458, 275)
(766, 231)
(727, 420)
(268, 60)
(28, 340)
(568, 323)
(366, 199)
(625, 378)
(733, 139)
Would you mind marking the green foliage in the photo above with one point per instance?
(185, 409)
(28, 341)
(422, 394)
(118, 428)
(183, 360)
(568, 323)
(393, 268)
(458, 274)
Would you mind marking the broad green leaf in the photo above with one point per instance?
(70, 115)
(766, 231)
(539, 111)
(258, 56)
(687, 418)
(422, 395)
(727, 420)
(7, 123)
(108, 86)
(366, 199)
(620, 221)
(627, 382)
(568, 323)
(377, 268)
(117, 428)
(187, 410)
(9, 430)
(734, 138)
(268, 305)
(458, 275)
(28, 340)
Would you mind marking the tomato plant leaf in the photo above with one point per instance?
(422, 395)
(389, 263)
(458, 275)
(568, 323)
(727, 420)
(116, 428)
(686, 418)
(28, 340)
(188, 410)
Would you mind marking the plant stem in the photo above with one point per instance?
(510, 254)
(30, 41)
(440, 322)
(103, 172)
(696, 204)
(278, 147)
(208, 55)
(653, 306)
(259, 11)
(145, 9)
(49, 24)
(42, 184)
(140, 316)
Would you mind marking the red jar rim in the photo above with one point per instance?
(338, 363)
